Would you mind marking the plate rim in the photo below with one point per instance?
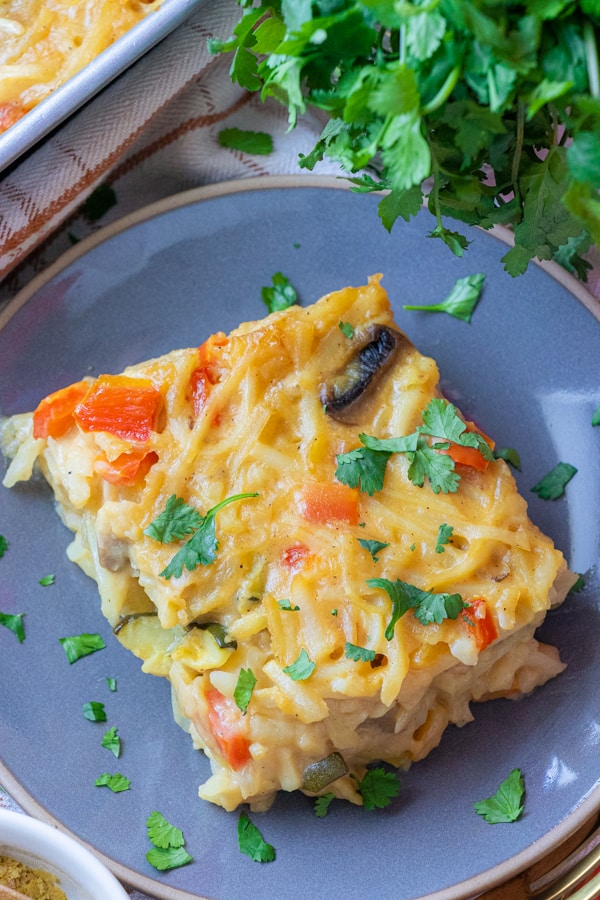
(489, 879)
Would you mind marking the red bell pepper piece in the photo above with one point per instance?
(54, 414)
(480, 623)
(226, 724)
(118, 404)
(127, 468)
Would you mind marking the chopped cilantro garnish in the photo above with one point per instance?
(428, 607)
(280, 294)
(3, 545)
(302, 668)
(99, 202)
(378, 788)
(47, 580)
(171, 858)
(285, 604)
(509, 455)
(365, 466)
(578, 585)
(14, 623)
(243, 689)
(161, 833)
(322, 804)
(79, 645)
(111, 741)
(175, 522)
(507, 804)
(201, 548)
(116, 783)
(257, 143)
(112, 684)
(168, 851)
(94, 711)
(461, 301)
(358, 654)
(347, 329)
(374, 547)
(251, 841)
(444, 537)
(595, 421)
(552, 486)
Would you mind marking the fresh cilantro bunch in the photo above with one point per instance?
(489, 109)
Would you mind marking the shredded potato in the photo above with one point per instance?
(289, 597)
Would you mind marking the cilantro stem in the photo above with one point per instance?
(516, 162)
(231, 499)
(443, 93)
(591, 56)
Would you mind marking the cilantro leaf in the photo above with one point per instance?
(552, 486)
(111, 741)
(441, 420)
(460, 302)
(285, 604)
(302, 668)
(280, 295)
(99, 202)
(347, 329)
(358, 654)
(201, 548)
(47, 580)
(378, 788)
(444, 537)
(252, 843)
(322, 804)
(111, 684)
(78, 645)
(3, 545)
(509, 455)
(374, 547)
(170, 858)
(257, 143)
(244, 688)
(168, 851)
(14, 623)
(94, 711)
(428, 607)
(507, 804)
(595, 419)
(116, 783)
(175, 522)
(161, 833)
(363, 467)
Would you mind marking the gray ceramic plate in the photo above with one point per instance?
(69, 97)
(526, 367)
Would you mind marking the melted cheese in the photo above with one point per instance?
(44, 42)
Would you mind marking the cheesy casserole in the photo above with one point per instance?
(315, 606)
(45, 42)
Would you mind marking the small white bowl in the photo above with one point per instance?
(80, 874)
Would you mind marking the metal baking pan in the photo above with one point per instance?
(70, 96)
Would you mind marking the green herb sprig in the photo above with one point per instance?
(491, 112)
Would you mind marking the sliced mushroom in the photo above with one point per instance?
(342, 394)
